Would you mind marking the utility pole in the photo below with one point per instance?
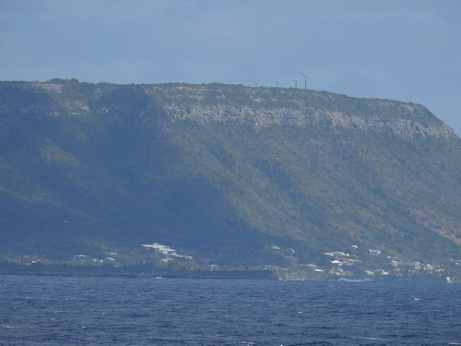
(305, 79)
(296, 83)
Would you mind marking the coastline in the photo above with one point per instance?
(107, 270)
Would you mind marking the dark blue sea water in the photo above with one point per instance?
(38, 310)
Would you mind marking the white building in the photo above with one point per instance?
(162, 249)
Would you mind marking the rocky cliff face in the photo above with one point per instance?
(269, 106)
(260, 107)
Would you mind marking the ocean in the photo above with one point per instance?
(42, 310)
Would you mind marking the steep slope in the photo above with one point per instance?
(223, 172)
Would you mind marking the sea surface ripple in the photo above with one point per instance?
(41, 310)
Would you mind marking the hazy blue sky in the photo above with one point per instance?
(408, 50)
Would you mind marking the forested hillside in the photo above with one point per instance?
(228, 173)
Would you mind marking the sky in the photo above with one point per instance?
(407, 50)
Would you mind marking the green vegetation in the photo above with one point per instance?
(223, 173)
